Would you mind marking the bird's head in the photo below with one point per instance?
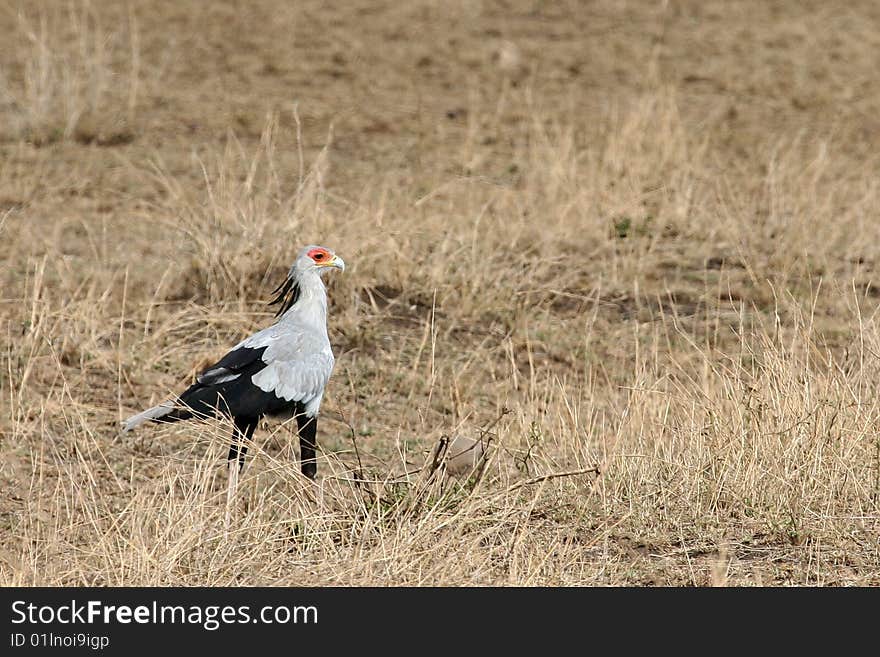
(311, 263)
(317, 259)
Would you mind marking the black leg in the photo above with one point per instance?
(308, 430)
(241, 435)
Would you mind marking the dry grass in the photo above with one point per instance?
(651, 283)
(75, 80)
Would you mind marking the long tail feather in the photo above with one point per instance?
(153, 413)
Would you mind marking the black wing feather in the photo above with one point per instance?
(232, 363)
(217, 391)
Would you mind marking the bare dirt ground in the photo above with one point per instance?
(633, 243)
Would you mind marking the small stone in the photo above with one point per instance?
(464, 454)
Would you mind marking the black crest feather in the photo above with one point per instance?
(287, 294)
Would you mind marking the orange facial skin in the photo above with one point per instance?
(320, 256)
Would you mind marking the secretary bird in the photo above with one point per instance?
(280, 371)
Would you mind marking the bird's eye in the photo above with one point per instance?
(319, 256)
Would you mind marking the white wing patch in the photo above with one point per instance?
(299, 380)
(216, 376)
(298, 356)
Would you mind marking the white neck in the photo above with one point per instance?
(311, 307)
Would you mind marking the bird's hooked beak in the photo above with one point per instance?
(336, 262)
